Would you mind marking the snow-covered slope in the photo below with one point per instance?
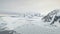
(34, 29)
(53, 17)
(30, 23)
(50, 15)
(12, 22)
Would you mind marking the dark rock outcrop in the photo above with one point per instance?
(52, 16)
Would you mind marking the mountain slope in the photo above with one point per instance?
(52, 16)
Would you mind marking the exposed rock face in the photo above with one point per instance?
(52, 16)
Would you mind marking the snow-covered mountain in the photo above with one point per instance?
(24, 21)
(52, 17)
(49, 16)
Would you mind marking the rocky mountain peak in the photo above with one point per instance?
(52, 16)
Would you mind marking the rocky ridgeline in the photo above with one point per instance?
(52, 16)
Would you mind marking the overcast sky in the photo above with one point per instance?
(18, 6)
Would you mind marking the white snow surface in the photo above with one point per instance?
(21, 24)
